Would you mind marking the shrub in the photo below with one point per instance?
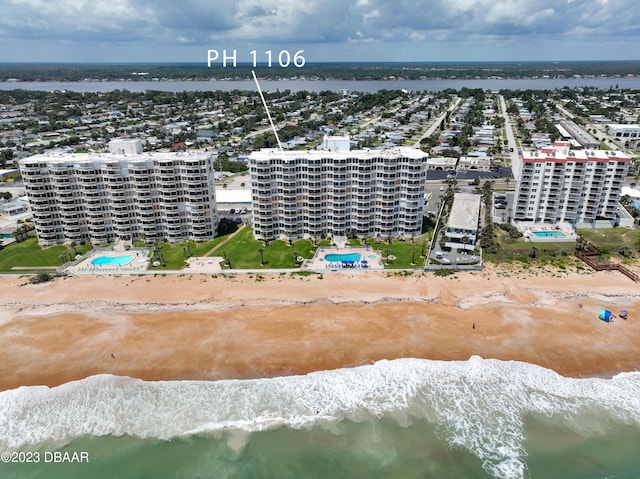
(43, 277)
(512, 231)
(444, 272)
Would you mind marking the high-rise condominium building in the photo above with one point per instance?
(580, 187)
(337, 192)
(123, 194)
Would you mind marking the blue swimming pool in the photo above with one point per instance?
(111, 260)
(549, 234)
(338, 258)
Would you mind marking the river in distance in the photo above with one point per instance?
(400, 419)
(324, 85)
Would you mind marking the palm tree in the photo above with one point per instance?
(261, 253)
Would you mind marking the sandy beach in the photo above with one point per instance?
(202, 327)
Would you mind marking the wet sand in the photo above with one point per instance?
(199, 327)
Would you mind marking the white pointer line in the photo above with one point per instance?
(267, 110)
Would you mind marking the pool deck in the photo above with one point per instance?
(549, 234)
(207, 265)
(318, 263)
(138, 265)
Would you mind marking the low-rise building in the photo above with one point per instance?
(583, 138)
(475, 163)
(442, 163)
(626, 135)
(462, 225)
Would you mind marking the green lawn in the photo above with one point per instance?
(242, 251)
(206, 246)
(526, 251)
(611, 240)
(404, 252)
(28, 253)
(174, 255)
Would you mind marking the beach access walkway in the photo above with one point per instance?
(591, 250)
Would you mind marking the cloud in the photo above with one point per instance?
(321, 24)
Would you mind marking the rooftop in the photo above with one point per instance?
(561, 153)
(53, 157)
(266, 154)
(464, 212)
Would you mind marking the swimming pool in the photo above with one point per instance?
(338, 258)
(111, 260)
(549, 234)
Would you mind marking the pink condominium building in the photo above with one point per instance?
(579, 187)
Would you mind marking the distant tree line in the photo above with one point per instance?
(341, 71)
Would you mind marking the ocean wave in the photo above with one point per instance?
(479, 404)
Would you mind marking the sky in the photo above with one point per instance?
(325, 30)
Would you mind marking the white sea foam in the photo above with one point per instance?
(479, 404)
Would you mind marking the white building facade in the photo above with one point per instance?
(579, 187)
(626, 135)
(104, 197)
(366, 193)
(463, 222)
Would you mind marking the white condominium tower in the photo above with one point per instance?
(580, 187)
(123, 194)
(366, 193)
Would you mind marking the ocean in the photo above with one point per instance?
(406, 418)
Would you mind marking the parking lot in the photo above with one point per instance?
(503, 207)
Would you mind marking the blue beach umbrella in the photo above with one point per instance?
(605, 315)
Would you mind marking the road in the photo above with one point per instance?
(436, 123)
(514, 153)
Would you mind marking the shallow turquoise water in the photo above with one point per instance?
(337, 258)
(555, 234)
(394, 419)
(109, 260)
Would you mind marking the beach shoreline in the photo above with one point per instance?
(180, 327)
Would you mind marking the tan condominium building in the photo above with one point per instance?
(364, 193)
(124, 194)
